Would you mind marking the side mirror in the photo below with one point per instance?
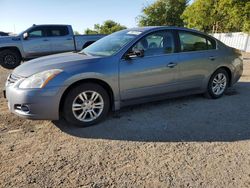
(134, 54)
(25, 36)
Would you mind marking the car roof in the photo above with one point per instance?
(50, 25)
(155, 28)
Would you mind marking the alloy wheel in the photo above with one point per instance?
(219, 84)
(88, 106)
(9, 59)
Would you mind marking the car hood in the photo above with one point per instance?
(58, 61)
(8, 39)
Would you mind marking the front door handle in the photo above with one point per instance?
(171, 65)
(45, 40)
(69, 39)
(212, 58)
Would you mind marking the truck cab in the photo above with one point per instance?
(41, 40)
(47, 39)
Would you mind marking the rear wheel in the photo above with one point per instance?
(10, 59)
(86, 105)
(218, 84)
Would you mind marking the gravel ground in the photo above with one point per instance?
(185, 142)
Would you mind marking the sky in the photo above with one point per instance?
(18, 15)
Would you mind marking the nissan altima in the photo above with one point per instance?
(127, 67)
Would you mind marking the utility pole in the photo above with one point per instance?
(14, 29)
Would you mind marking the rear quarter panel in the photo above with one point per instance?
(225, 57)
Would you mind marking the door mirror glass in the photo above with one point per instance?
(134, 54)
(25, 36)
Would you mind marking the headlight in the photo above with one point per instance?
(39, 80)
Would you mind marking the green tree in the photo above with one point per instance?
(108, 27)
(246, 18)
(200, 15)
(163, 12)
(218, 15)
(90, 32)
(76, 33)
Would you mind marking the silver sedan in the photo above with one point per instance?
(128, 67)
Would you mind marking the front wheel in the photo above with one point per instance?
(218, 84)
(86, 105)
(10, 59)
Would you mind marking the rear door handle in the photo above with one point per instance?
(69, 39)
(45, 40)
(171, 65)
(212, 58)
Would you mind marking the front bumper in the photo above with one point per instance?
(43, 104)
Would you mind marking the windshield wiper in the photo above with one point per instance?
(82, 53)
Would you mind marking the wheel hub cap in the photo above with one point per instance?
(9, 59)
(219, 84)
(88, 106)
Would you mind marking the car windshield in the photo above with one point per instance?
(111, 44)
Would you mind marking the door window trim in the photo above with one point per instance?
(43, 29)
(161, 30)
(48, 31)
(195, 34)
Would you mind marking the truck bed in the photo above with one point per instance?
(82, 41)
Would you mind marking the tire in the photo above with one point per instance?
(10, 59)
(222, 77)
(83, 111)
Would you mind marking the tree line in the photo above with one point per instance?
(210, 16)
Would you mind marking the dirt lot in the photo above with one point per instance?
(186, 142)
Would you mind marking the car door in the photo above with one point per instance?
(197, 58)
(154, 73)
(60, 38)
(36, 43)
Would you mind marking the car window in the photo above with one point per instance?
(158, 43)
(57, 31)
(36, 32)
(211, 44)
(192, 42)
(111, 44)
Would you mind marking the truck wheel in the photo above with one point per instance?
(10, 59)
(86, 104)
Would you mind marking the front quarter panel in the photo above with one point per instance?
(105, 70)
(16, 42)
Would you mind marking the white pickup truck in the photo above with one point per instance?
(41, 40)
